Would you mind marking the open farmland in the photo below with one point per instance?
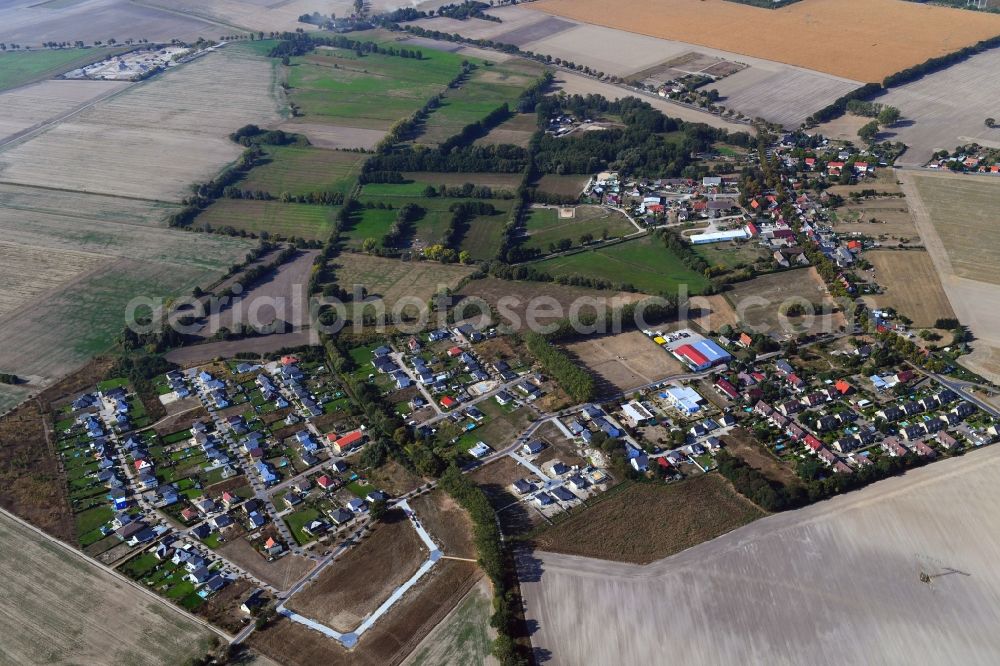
(392, 279)
(946, 108)
(284, 220)
(302, 170)
(57, 605)
(462, 638)
(953, 215)
(20, 67)
(415, 182)
(29, 107)
(800, 286)
(831, 573)
(911, 285)
(516, 131)
(156, 138)
(642, 522)
(544, 226)
(335, 86)
(31, 272)
(345, 592)
(623, 362)
(31, 22)
(801, 33)
(486, 89)
(645, 263)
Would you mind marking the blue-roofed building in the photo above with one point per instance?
(713, 352)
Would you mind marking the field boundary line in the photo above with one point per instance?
(118, 575)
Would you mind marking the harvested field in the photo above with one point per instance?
(32, 272)
(464, 637)
(281, 220)
(323, 135)
(943, 206)
(643, 522)
(26, 108)
(391, 639)
(168, 131)
(797, 286)
(779, 94)
(567, 186)
(392, 279)
(516, 131)
(645, 263)
(519, 297)
(623, 362)
(351, 588)
(946, 109)
(816, 567)
(31, 22)
(304, 170)
(710, 313)
(253, 14)
(57, 606)
(280, 573)
(911, 284)
(799, 33)
(78, 205)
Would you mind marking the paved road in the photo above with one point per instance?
(960, 388)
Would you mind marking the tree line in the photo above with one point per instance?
(577, 382)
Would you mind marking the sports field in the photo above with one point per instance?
(487, 88)
(545, 226)
(20, 67)
(806, 33)
(285, 220)
(57, 607)
(298, 170)
(644, 263)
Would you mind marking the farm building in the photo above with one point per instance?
(720, 236)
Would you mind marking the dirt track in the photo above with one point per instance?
(835, 583)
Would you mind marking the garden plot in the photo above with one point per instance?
(28, 107)
(155, 139)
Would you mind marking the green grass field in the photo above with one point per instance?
(302, 170)
(20, 67)
(643, 262)
(417, 181)
(337, 86)
(731, 255)
(277, 219)
(486, 89)
(544, 226)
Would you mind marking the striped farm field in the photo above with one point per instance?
(285, 220)
(300, 170)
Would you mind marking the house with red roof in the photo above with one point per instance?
(348, 441)
(455, 351)
(843, 387)
(724, 387)
(813, 443)
(325, 482)
(448, 402)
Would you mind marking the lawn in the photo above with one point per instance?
(20, 67)
(731, 255)
(300, 170)
(297, 519)
(545, 227)
(283, 220)
(486, 89)
(643, 263)
(644, 522)
(339, 86)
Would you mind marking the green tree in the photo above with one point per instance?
(888, 116)
(869, 131)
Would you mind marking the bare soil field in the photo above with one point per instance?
(282, 296)
(558, 299)
(392, 279)
(448, 523)
(197, 354)
(464, 637)
(23, 109)
(892, 224)
(644, 522)
(57, 606)
(946, 109)
(352, 587)
(842, 580)
(391, 639)
(710, 313)
(780, 94)
(280, 573)
(911, 285)
(797, 286)
(31, 23)
(156, 138)
(623, 362)
(844, 128)
(943, 206)
(800, 33)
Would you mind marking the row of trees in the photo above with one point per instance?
(577, 382)
(402, 226)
